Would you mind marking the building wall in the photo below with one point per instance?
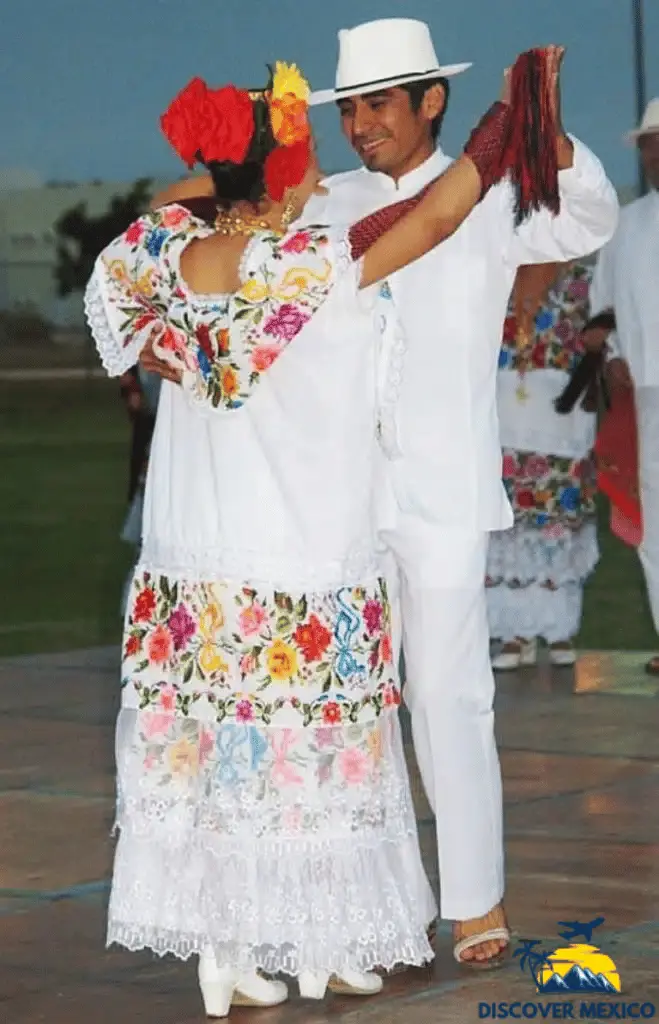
(28, 243)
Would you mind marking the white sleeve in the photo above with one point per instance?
(128, 295)
(587, 219)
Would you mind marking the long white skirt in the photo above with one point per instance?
(269, 817)
(535, 581)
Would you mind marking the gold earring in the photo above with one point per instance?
(287, 214)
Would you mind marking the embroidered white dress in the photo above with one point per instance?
(263, 799)
(536, 571)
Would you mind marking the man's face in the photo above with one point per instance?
(649, 149)
(386, 133)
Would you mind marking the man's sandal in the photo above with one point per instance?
(491, 935)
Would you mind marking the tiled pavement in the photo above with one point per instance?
(580, 755)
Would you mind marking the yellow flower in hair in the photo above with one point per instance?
(289, 102)
(288, 80)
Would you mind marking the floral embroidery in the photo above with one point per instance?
(204, 650)
(546, 490)
(225, 342)
(557, 343)
(174, 755)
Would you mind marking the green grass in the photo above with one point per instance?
(616, 612)
(63, 474)
(63, 479)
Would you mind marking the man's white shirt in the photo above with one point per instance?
(439, 357)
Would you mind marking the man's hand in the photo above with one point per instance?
(150, 362)
(505, 87)
(617, 374)
(564, 147)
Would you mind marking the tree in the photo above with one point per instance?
(81, 237)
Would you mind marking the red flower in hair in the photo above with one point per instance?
(180, 121)
(226, 125)
(216, 123)
(285, 167)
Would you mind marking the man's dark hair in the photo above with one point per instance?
(416, 92)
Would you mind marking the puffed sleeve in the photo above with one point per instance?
(131, 287)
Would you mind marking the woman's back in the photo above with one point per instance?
(264, 456)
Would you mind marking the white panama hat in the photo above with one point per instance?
(650, 123)
(380, 54)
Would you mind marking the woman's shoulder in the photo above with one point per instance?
(309, 243)
(156, 232)
(301, 263)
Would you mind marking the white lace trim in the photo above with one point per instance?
(394, 350)
(116, 358)
(535, 611)
(283, 909)
(360, 566)
(555, 554)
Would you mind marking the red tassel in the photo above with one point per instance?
(529, 155)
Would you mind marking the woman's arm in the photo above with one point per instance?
(190, 188)
(441, 211)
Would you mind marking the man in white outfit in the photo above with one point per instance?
(626, 281)
(440, 489)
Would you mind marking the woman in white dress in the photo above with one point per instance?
(537, 570)
(264, 809)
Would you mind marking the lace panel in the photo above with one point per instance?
(285, 849)
(394, 350)
(115, 357)
(554, 554)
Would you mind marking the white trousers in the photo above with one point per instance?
(647, 410)
(436, 578)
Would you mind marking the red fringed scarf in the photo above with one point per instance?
(529, 154)
(616, 454)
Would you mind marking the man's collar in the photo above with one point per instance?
(415, 180)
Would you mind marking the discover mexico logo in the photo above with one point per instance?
(575, 969)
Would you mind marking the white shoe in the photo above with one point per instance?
(224, 987)
(562, 657)
(313, 984)
(519, 654)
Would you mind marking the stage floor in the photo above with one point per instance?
(580, 756)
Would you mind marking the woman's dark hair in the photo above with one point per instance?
(245, 182)
(417, 91)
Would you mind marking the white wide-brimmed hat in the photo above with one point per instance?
(380, 54)
(650, 123)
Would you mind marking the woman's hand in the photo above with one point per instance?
(150, 362)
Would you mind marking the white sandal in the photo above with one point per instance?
(491, 935)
